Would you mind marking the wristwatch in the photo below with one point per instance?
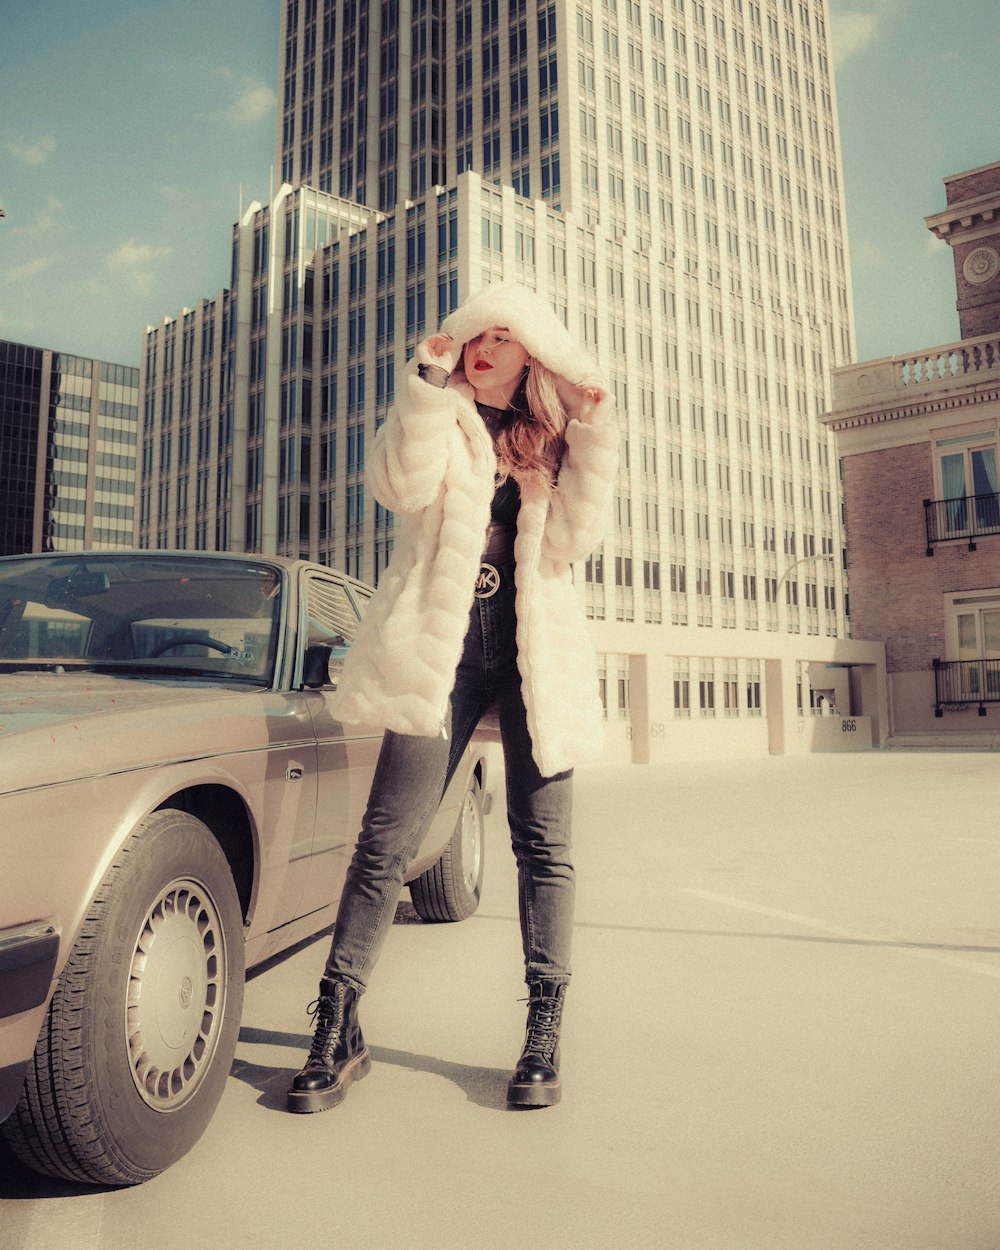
(436, 375)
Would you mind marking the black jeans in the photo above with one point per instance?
(410, 779)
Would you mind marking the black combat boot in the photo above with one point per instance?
(338, 1055)
(535, 1082)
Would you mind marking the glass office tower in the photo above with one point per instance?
(68, 450)
(667, 175)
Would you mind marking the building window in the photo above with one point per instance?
(974, 626)
(550, 177)
(416, 310)
(731, 690)
(706, 690)
(753, 688)
(623, 684)
(966, 478)
(682, 689)
(973, 645)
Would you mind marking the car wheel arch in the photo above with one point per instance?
(225, 813)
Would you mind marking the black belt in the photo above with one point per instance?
(491, 577)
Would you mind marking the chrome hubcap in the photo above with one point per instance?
(176, 995)
(472, 841)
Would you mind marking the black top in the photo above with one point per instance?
(499, 546)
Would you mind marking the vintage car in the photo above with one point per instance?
(176, 804)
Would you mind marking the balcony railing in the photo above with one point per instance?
(881, 384)
(959, 683)
(968, 518)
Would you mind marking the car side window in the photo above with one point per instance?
(331, 615)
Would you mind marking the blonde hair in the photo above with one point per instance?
(530, 447)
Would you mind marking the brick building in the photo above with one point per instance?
(917, 438)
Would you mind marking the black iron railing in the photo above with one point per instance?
(959, 683)
(969, 518)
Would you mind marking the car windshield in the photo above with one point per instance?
(175, 615)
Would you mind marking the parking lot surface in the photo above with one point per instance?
(782, 1035)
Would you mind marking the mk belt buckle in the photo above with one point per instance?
(488, 581)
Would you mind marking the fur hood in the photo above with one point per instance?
(533, 322)
(432, 464)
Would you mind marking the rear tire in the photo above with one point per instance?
(141, 1031)
(449, 890)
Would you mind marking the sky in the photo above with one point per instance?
(131, 132)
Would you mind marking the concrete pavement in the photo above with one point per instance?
(782, 1035)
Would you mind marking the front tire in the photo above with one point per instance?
(141, 1031)
(450, 889)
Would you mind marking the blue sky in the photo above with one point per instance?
(127, 129)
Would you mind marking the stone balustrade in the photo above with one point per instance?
(909, 378)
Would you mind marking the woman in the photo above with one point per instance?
(498, 463)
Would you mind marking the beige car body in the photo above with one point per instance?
(86, 754)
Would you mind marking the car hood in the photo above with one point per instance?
(57, 727)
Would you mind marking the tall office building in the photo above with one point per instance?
(667, 174)
(67, 451)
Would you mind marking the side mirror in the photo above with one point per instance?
(316, 666)
(322, 662)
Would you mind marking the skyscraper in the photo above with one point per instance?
(67, 449)
(668, 175)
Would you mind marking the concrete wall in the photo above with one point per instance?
(853, 672)
(836, 733)
(688, 739)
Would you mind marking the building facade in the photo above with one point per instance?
(668, 175)
(67, 450)
(918, 438)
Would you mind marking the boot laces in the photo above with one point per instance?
(543, 1025)
(328, 1020)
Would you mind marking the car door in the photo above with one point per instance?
(346, 755)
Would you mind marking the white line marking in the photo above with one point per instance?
(812, 922)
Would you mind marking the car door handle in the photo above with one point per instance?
(293, 773)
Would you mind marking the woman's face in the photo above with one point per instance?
(494, 364)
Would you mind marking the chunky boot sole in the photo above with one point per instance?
(309, 1100)
(534, 1094)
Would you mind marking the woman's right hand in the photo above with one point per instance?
(437, 351)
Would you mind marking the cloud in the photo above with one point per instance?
(131, 254)
(867, 255)
(255, 103)
(36, 153)
(852, 33)
(856, 30)
(137, 259)
(46, 221)
(31, 267)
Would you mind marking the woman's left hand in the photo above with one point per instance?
(592, 390)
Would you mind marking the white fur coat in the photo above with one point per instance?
(433, 464)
